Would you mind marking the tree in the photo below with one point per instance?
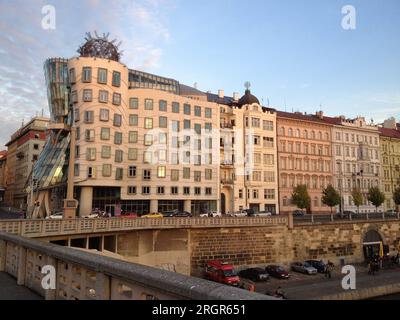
(396, 196)
(300, 197)
(330, 197)
(376, 197)
(357, 198)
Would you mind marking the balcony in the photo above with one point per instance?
(227, 182)
(226, 126)
(227, 163)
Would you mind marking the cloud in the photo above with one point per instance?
(141, 25)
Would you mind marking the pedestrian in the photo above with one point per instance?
(329, 269)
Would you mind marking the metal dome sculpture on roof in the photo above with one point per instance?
(248, 98)
(100, 47)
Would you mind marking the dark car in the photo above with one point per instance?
(169, 214)
(277, 272)
(347, 213)
(254, 274)
(298, 213)
(317, 264)
(182, 214)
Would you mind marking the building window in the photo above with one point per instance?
(255, 193)
(186, 109)
(269, 194)
(208, 127)
(103, 96)
(147, 157)
(119, 172)
(174, 175)
(162, 155)
(87, 95)
(148, 104)
(240, 193)
(78, 133)
(132, 154)
(146, 174)
(197, 111)
(132, 171)
(174, 190)
(72, 76)
(160, 190)
(162, 105)
(148, 139)
(197, 191)
(116, 79)
(104, 114)
(131, 190)
(145, 190)
(208, 191)
(105, 134)
(118, 138)
(106, 170)
(208, 174)
(106, 152)
(161, 172)
(117, 120)
(87, 74)
(268, 142)
(119, 155)
(133, 136)
(36, 146)
(91, 172)
(175, 107)
(89, 135)
(148, 123)
(208, 112)
(133, 103)
(102, 76)
(255, 122)
(268, 125)
(163, 122)
(186, 124)
(175, 126)
(77, 151)
(162, 138)
(76, 170)
(197, 128)
(186, 191)
(74, 96)
(133, 120)
(116, 99)
(90, 154)
(186, 173)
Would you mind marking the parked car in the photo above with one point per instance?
(347, 213)
(298, 213)
(254, 274)
(277, 271)
(317, 264)
(169, 214)
(211, 214)
(131, 215)
(242, 213)
(222, 272)
(152, 215)
(91, 216)
(182, 214)
(57, 215)
(260, 214)
(303, 268)
(391, 213)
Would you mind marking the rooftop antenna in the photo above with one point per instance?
(195, 85)
(267, 101)
(247, 85)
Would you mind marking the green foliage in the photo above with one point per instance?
(396, 196)
(357, 197)
(300, 197)
(330, 197)
(376, 197)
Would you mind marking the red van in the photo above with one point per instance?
(222, 272)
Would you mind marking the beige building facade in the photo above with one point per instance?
(357, 159)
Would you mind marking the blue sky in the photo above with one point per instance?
(295, 53)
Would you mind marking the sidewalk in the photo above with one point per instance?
(9, 290)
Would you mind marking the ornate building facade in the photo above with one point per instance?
(304, 156)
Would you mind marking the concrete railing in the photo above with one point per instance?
(337, 218)
(43, 228)
(87, 276)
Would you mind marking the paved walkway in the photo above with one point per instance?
(9, 290)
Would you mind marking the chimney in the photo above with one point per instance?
(221, 93)
(236, 96)
(320, 114)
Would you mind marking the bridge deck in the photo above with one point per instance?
(9, 290)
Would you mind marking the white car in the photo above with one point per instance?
(261, 214)
(57, 215)
(91, 216)
(242, 213)
(211, 214)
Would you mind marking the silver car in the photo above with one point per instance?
(304, 268)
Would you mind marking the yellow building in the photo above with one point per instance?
(390, 154)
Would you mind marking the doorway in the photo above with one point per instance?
(110, 209)
(223, 203)
(372, 245)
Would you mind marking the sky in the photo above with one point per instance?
(296, 54)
